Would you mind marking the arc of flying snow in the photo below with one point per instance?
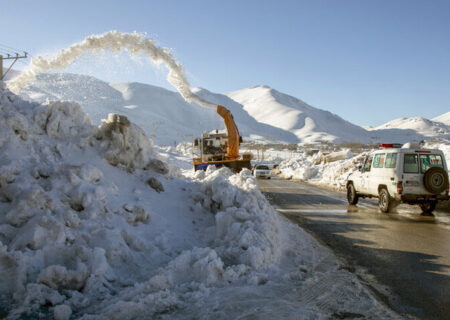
(114, 41)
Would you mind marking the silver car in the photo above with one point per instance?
(261, 171)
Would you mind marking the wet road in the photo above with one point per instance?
(403, 257)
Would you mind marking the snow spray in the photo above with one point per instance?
(114, 41)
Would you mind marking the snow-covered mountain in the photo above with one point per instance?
(421, 126)
(309, 124)
(444, 118)
(148, 106)
(261, 113)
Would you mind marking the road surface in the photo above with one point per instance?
(402, 256)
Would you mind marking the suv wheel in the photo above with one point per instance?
(352, 197)
(384, 200)
(428, 207)
(435, 180)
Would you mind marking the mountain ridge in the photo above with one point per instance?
(261, 113)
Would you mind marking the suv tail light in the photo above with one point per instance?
(423, 151)
(400, 187)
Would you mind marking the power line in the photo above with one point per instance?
(7, 49)
(3, 52)
(10, 48)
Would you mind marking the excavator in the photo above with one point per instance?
(222, 149)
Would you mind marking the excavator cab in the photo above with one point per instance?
(214, 146)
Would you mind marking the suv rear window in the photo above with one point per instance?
(262, 167)
(411, 163)
(430, 160)
(391, 160)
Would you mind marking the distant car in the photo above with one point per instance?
(261, 171)
(399, 175)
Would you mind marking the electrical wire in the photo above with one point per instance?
(10, 48)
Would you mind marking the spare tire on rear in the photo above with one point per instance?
(435, 180)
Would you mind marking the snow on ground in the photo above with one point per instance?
(94, 224)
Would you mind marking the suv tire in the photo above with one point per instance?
(384, 200)
(428, 207)
(352, 196)
(435, 180)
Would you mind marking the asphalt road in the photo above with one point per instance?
(403, 257)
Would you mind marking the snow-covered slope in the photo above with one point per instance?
(309, 124)
(421, 126)
(444, 118)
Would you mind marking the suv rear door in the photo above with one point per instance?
(412, 183)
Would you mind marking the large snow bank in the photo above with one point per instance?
(66, 225)
(94, 225)
(331, 169)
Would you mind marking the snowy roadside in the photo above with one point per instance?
(333, 175)
(332, 170)
(94, 224)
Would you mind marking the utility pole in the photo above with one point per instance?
(10, 57)
(185, 139)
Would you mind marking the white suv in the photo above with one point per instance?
(395, 175)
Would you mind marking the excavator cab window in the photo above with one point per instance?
(212, 146)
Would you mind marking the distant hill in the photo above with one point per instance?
(261, 113)
(426, 128)
(444, 118)
(309, 124)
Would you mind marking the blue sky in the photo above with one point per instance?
(367, 61)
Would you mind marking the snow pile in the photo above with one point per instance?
(57, 228)
(331, 170)
(247, 228)
(70, 230)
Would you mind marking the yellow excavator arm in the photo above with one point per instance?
(233, 133)
(231, 159)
